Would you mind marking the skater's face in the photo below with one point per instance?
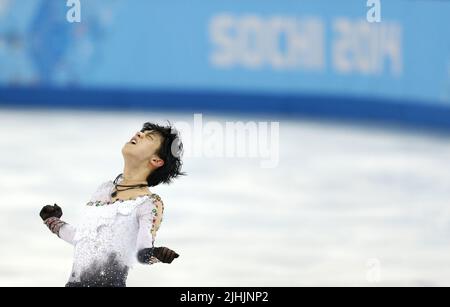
(142, 149)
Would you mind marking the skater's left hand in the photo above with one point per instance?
(163, 254)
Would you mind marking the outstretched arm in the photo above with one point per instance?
(150, 218)
(60, 228)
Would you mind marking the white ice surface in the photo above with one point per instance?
(341, 195)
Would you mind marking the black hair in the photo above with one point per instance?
(170, 152)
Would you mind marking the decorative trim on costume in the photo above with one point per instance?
(54, 224)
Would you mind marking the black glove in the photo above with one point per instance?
(51, 211)
(163, 254)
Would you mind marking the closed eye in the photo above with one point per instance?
(149, 133)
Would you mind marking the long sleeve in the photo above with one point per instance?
(67, 233)
(149, 218)
(60, 228)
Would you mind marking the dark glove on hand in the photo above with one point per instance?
(163, 254)
(50, 211)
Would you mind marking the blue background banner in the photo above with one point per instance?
(311, 57)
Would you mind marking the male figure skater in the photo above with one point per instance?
(120, 222)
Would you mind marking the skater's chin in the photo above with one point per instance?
(128, 152)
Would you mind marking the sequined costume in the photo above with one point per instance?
(109, 236)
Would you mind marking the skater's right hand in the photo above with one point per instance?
(50, 211)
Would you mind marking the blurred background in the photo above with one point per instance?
(316, 135)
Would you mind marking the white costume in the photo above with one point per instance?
(109, 236)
